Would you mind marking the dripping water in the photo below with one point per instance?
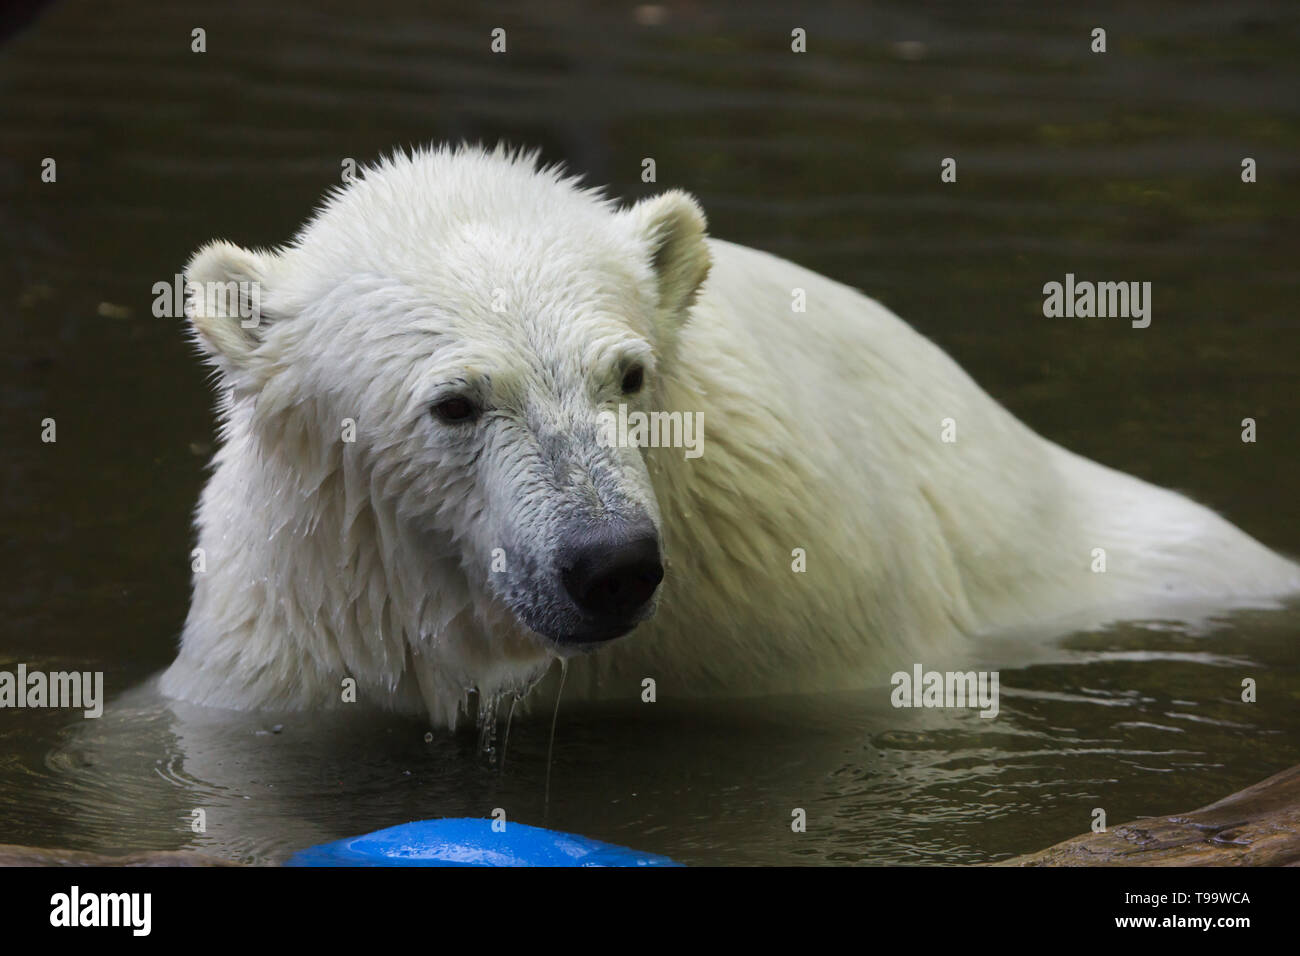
(550, 744)
(486, 721)
(505, 740)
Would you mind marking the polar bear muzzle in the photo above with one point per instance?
(611, 573)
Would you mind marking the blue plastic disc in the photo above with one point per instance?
(462, 841)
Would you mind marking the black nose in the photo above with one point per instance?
(610, 577)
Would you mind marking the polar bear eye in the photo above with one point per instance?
(633, 379)
(454, 410)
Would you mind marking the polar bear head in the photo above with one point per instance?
(420, 375)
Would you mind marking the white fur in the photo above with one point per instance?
(368, 560)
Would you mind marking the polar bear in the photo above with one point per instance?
(417, 493)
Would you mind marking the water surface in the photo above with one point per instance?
(1122, 166)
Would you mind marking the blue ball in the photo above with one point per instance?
(462, 841)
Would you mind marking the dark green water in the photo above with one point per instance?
(1124, 165)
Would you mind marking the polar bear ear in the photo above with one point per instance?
(674, 227)
(224, 287)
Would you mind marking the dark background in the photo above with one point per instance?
(1120, 166)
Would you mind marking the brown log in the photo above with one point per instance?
(1258, 826)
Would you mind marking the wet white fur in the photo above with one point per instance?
(368, 560)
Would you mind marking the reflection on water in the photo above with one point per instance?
(1123, 166)
(1137, 719)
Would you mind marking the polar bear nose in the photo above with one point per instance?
(611, 578)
